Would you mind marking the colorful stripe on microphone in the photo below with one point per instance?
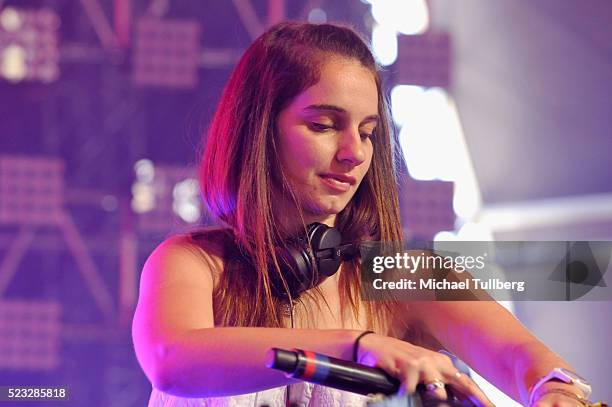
(316, 367)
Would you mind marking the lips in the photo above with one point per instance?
(338, 182)
(341, 177)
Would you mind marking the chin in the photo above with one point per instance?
(329, 208)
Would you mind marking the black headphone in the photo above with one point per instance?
(305, 266)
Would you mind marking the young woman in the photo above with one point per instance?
(302, 135)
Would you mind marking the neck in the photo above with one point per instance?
(289, 222)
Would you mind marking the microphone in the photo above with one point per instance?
(354, 377)
(328, 371)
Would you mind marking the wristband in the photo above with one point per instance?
(356, 345)
(565, 376)
(567, 393)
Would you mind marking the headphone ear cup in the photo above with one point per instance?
(296, 267)
(305, 265)
(322, 239)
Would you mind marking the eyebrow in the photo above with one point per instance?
(334, 108)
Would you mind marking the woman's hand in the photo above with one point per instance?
(414, 364)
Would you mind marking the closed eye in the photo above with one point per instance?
(320, 127)
(368, 135)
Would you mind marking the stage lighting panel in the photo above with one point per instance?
(31, 190)
(427, 208)
(29, 334)
(425, 60)
(29, 45)
(166, 53)
(172, 199)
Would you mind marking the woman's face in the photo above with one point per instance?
(325, 138)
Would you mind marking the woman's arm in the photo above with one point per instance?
(182, 353)
(180, 350)
(229, 361)
(493, 341)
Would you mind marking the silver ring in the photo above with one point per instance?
(434, 385)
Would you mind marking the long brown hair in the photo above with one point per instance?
(240, 162)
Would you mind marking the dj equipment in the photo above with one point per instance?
(309, 259)
(354, 377)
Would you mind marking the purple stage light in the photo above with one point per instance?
(29, 334)
(166, 198)
(31, 190)
(425, 60)
(427, 208)
(166, 53)
(31, 196)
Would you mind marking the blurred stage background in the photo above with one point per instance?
(503, 110)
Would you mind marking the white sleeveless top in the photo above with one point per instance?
(302, 394)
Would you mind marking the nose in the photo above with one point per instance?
(351, 148)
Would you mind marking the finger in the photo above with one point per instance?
(461, 383)
(434, 384)
(410, 380)
(475, 394)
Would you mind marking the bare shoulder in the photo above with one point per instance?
(176, 287)
(183, 257)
